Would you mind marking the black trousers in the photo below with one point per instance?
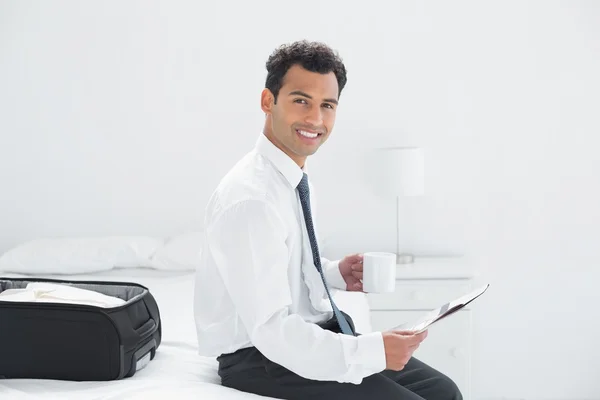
(248, 370)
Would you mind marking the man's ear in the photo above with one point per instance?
(267, 100)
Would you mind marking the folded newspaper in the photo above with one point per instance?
(439, 313)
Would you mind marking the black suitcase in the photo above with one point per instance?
(78, 342)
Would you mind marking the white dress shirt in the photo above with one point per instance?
(257, 284)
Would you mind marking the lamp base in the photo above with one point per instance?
(405, 258)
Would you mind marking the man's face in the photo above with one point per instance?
(304, 115)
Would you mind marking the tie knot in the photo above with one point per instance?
(303, 185)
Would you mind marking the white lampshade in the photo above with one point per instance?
(398, 171)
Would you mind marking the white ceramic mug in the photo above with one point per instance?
(379, 272)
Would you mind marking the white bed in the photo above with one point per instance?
(177, 369)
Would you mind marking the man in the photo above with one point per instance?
(262, 300)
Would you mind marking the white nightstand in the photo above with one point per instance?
(424, 286)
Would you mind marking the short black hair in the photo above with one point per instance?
(312, 56)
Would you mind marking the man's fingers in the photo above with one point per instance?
(411, 333)
(411, 337)
(356, 267)
(357, 274)
(404, 333)
(415, 339)
(356, 258)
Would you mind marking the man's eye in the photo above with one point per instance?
(301, 101)
(327, 105)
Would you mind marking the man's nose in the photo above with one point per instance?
(314, 116)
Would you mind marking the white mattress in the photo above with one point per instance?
(177, 370)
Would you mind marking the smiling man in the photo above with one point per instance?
(301, 117)
(262, 299)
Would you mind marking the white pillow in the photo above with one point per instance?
(79, 255)
(179, 253)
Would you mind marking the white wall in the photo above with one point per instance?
(120, 117)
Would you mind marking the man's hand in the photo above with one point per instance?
(351, 268)
(399, 347)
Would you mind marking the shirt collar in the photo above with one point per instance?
(288, 167)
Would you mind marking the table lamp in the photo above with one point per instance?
(399, 171)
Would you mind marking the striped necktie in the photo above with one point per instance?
(304, 192)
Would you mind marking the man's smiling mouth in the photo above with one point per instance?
(308, 134)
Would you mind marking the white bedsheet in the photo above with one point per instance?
(176, 371)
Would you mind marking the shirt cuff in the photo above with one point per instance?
(333, 276)
(372, 351)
